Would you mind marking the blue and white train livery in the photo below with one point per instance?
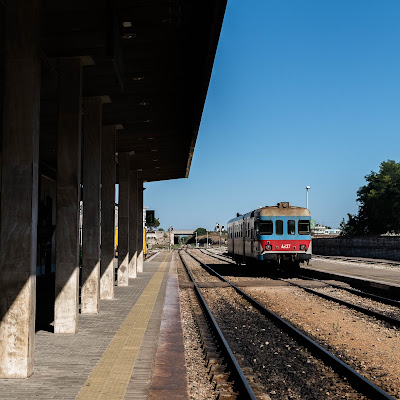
(278, 233)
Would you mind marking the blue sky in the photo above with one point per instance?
(303, 92)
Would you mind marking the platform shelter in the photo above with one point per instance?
(93, 93)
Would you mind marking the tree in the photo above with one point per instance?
(153, 224)
(200, 231)
(379, 199)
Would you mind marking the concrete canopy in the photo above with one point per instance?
(152, 58)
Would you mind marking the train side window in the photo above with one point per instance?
(279, 227)
(291, 227)
(304, 227)
(266, 227)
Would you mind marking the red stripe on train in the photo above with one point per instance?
(285, 245)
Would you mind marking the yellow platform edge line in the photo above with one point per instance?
(110, 378)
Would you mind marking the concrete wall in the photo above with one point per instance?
(385, 247)
(155, 235)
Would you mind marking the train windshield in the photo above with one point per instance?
(266, 227)
(291, 227)
(304, 227)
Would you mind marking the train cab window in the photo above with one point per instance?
(304, 227)
(291, 227)
(279, 227)
(266, 227)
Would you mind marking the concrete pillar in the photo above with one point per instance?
(107, 213)
(19, 193)
(92, 128)
(133, 223)
(140, 227)
(123, 220)
(66, 308)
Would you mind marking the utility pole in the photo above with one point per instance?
(307, 188)
(170, 229)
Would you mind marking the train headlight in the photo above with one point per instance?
(268, 247)
(303, 247)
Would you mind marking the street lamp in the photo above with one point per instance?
(307, 187)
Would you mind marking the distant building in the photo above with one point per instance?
(322, 230)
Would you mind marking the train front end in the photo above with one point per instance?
(283, 233)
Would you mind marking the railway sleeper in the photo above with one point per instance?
(225, 386)
(251, 377)
(207, 340)
(211, 347)
(227, 396)
(211, 350)
(217, 369)
(221, 377)
(213, 360)
(218, 372)
(216, 355)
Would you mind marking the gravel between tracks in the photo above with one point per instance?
(286, 369)
(369, 346)
(391, 311)
(199, 385)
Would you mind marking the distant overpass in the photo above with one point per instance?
(180, 232)
(183, 231)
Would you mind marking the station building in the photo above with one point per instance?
(93, 93)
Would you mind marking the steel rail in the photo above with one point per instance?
(240, 381)
(360, 293)
(358, 260)
(217, 256)
(361, 383)
(371, 296)
(363, 310)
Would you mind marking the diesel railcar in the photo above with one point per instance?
(276, 234)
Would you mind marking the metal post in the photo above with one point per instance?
(196, 239)
(207, 239)
(307, 187)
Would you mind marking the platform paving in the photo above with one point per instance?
(65, 363)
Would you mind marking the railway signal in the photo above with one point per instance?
(219, 229)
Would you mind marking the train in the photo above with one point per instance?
(273, 235)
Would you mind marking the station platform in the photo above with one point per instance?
(132, 349)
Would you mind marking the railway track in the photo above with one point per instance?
(364, 385)
(371, 310)
(359, 260)
(223, 363)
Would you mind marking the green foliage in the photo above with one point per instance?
(161, 229)
(153, 224)
(200, 231)
(379, 199)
